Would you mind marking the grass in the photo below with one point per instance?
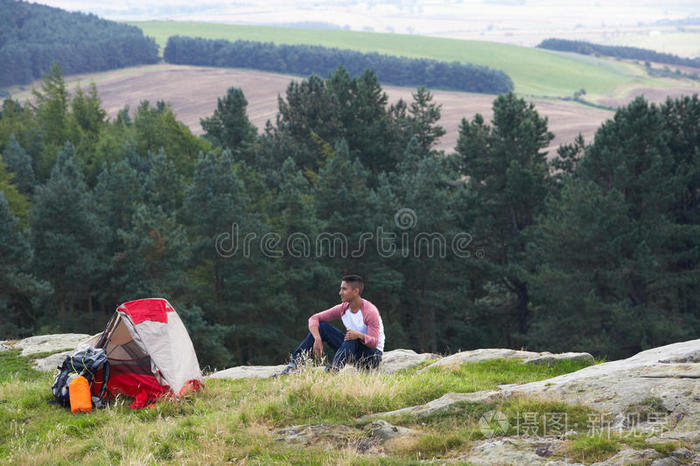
(14, 367)
(535, 72)
(238, 421)
(594, 448)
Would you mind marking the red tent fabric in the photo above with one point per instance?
(146, 309)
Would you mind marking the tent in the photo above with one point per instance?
(149, 351)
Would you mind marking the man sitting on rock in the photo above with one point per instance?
(363, 341)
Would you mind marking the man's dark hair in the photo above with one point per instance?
(354, 281)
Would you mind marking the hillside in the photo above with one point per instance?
(490, 406)
(535, 72)
(193, 92)
(33, 36)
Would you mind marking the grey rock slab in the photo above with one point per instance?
(6, 345)
(50, 343)
(680, 370)
(489, 354)
(693, 356)
(399, 359)
(629, 456)
(338, 435)
(245, 372)
(380, 432)
(513, 451)
(549, 359)
(443, 403)
(682, 453)
(668, 461)
(52, 362)
(480, 355)
(562, 463)
(615, 386)
(383, 431)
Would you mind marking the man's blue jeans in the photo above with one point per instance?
(353, 351)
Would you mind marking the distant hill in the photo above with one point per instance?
(617, 51)
(33, 36)
(303, 60)
(534, 72)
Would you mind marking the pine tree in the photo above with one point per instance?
(154, 258)
(229, 126)
(307, 121)
(509, 178)
(18, 287)
(298, 275)
(156, 128)
(19, 163)
(425, 255)
(364, 120)
(67, 236)
(51, 109)
(87, 120)
(619, 249)
(215, 206)
(164, 187)
(423, 118)
(18, 203)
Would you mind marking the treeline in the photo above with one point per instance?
(33, 36)
(497, 244)
(304, 60)
(617, 51)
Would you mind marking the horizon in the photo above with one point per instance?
(516, 22)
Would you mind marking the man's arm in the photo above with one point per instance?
(318, 343)
(371, 318)
(333, 313)
(329, 314)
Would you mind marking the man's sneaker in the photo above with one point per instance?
(286, 371)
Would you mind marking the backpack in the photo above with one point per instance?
(84, 363)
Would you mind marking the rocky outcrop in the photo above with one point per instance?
(514, 451)
(383, 431)
(392, 361)
(243, 372)
(46, 343)
(442, 404)
(60, 345)
(51, 362)
(621, 387)
(662, 382)
(338, 435)
(400, 359)
(630, 456)
(368, 440)
(489, 354)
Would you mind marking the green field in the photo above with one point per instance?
(535, 72)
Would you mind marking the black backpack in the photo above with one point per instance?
(84, 363)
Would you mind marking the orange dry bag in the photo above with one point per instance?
(79, 392)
